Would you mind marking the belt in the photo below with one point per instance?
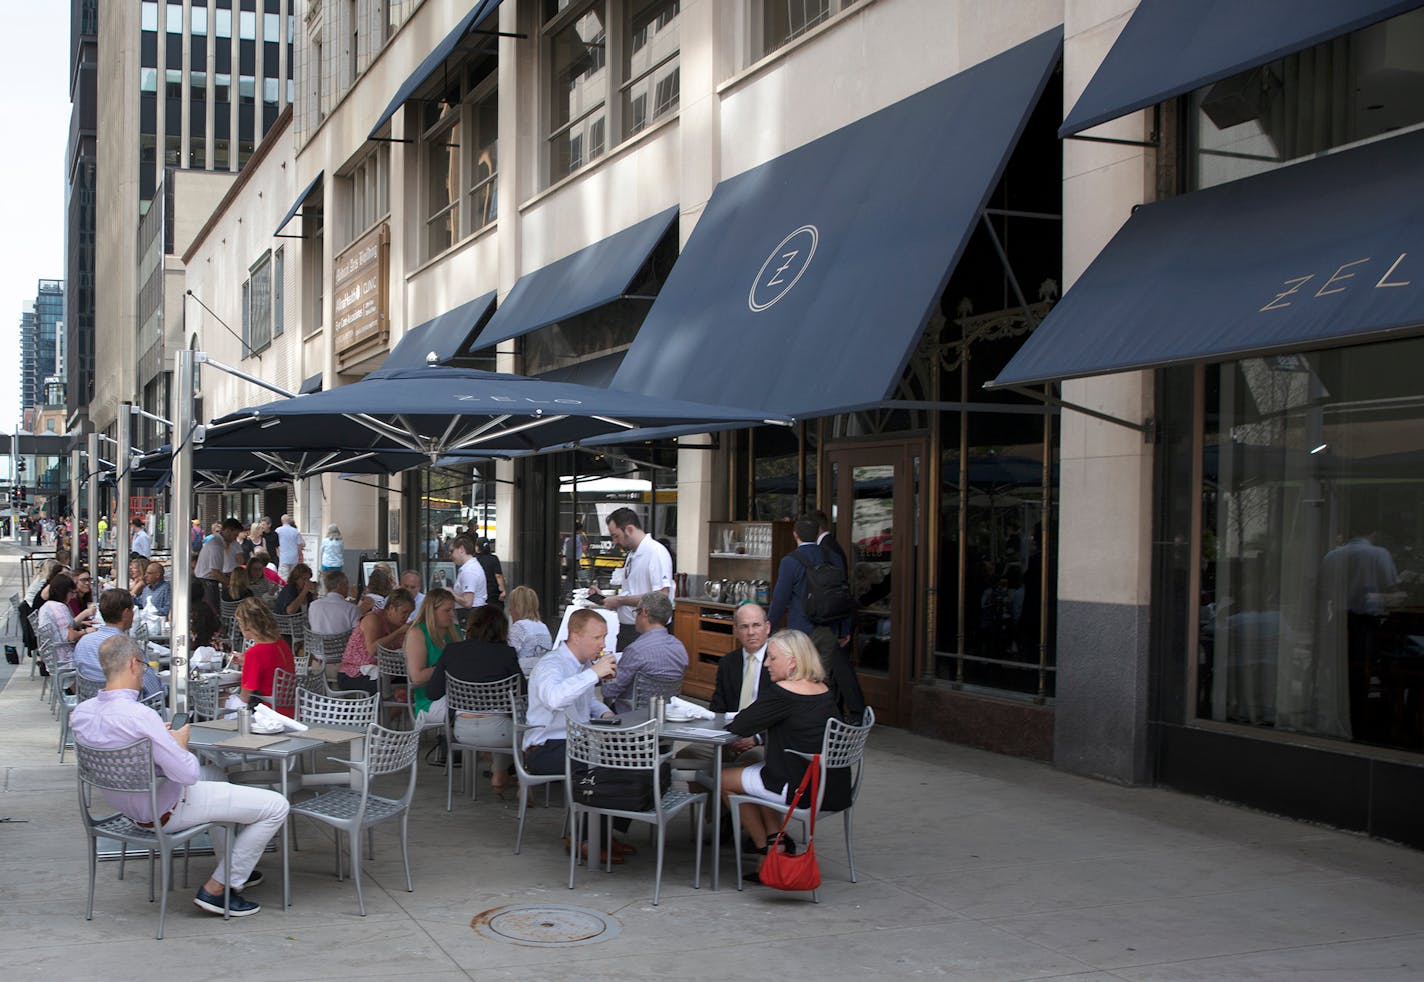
(162, 820)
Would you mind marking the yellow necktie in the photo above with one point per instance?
(749, 675)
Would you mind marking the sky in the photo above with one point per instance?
(34, 111)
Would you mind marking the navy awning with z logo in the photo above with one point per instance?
(808, 280)
(1320, 252)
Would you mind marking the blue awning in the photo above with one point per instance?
(436, 58)
(444, 336)
(1318, 252)
(1170, 47)
(807, 282)
(301, 200)
(593, 276)
(310, 384)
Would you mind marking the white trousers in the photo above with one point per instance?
(258, 812)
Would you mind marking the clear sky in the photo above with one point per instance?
(34, 111)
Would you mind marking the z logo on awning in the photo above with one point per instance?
(786, 264)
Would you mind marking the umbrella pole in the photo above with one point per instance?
(91, 506)
(121, 513)
(179, 521)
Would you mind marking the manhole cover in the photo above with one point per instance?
(545, 925)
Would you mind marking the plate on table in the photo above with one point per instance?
(672, 717)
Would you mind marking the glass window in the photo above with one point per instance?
(198, 20)
(650, 63)
(220, 154)
(579, 86)
(148, 17)
(1336, 93)
(173, 82)
(222, 88)
(259, 305)
(279, 293)
(247, 25)
(442, 188)
(175, 18)
(367, 189)
(1312, 548)
(223, 23)
(246, 318)
(246, 89)
(198, 86)
(269, 90)
(271, 25)
(786, 20)
(484, 144)
(148, 80)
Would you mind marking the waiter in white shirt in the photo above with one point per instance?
(647, 569)
(471, 589)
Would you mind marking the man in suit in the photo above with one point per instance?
(788, 602)
(741, 675)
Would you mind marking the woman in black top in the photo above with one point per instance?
(484, 656)
(792, 712)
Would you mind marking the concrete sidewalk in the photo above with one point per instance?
(971, 866)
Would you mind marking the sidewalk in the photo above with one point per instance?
(972, 866)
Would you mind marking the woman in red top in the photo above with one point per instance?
(267, 654)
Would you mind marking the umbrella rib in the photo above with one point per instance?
(483, 428)
(386, 430)
(617, 422)
(476, 440)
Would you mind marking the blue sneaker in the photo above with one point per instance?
(238, 906)
(254, 879)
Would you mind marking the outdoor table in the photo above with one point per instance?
(712, 733)
(204, 738)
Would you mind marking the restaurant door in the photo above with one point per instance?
(875, 507)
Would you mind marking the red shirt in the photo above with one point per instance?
(260, 664)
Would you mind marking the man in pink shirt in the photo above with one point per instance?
(188, 794)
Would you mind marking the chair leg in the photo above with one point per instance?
(355, 837)
(123, 857)
(337, 837)
(150, 876)
(93, 870)
(163, 900)
(658, 875)
(405, 850)
(574, 844)
(736, 815)
(850, 843)
(700, 810)
(449, 777)
(523, 807)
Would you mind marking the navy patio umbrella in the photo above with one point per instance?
(437, 411)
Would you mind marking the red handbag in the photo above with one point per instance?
(782, 871)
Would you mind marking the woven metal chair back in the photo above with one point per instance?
(325, 648)
(319, 709)
(390, 662)
(227, 610)
(627, 748)
(284, 688)
(645, 687)
(388, 751)
(124, 769)
(157, 701)
(843, 745)
(292, 626)
(87, 689)
(480, 697)
(203, 697)
(140, 635)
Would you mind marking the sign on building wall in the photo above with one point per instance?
(361, 297)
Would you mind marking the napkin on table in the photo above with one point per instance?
(681, 707)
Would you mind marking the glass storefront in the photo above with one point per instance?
(1311, 616)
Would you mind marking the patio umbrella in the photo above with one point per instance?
(437, 411)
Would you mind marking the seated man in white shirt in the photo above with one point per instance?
(562, 683)
(332, 613)
(114, 719)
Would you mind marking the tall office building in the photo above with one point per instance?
(184, 91)
(79, 203)
(41, 346)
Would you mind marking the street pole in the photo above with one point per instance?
(76, 456)
(92, 506)
(121, 515)
(179, 520)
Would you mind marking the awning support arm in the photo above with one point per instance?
(1008, 269)
(1153, 141)
(1148, 427)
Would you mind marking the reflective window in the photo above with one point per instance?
(247, 25)
(175, 18)
(198, 19)
(786, 20)
(1312, 547)
(650, 63)
(148, 80)
(148, 17)
(223, 23)
(578, 58)
(257, 324)
(271, 25)
(1340, 92)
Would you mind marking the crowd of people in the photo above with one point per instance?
(782, 686)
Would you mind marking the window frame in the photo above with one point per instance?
(255, 340)
(463, 120)
(367, 191)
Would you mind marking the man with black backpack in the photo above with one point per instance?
(813, 595)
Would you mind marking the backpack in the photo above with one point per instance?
(828, 599)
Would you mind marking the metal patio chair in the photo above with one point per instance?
(487, 699)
